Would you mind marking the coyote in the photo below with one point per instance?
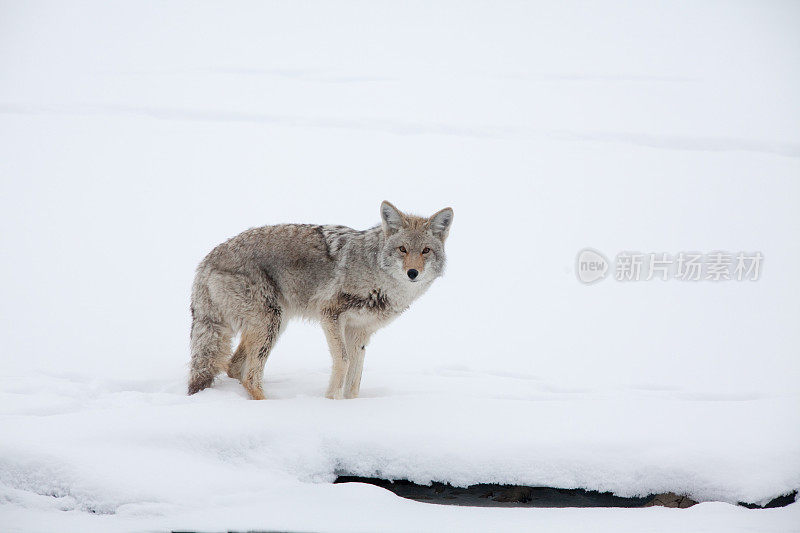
(352, 282)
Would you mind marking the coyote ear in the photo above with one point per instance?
(391, 218)
(440, 223)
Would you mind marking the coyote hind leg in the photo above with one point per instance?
(237, 361)
(247, 364)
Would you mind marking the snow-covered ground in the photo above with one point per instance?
(82, 454)
(136, 136)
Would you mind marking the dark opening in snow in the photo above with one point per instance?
(493, 495)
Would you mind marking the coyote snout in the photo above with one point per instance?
(414, 262)
(353, 282)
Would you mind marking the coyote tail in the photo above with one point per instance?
(210, 348)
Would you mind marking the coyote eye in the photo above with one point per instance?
(426, 250)
(403, 249)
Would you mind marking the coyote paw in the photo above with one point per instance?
(255, 392)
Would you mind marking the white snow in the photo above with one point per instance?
(134, 137)
(143, 455)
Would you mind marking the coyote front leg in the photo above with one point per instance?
(335, 335)
(356, 343)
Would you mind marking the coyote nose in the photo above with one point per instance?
(412, 273)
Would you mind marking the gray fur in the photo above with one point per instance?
(353, 282)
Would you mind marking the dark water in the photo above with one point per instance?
(491, 495)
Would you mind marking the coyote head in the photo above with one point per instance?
(413, 250)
